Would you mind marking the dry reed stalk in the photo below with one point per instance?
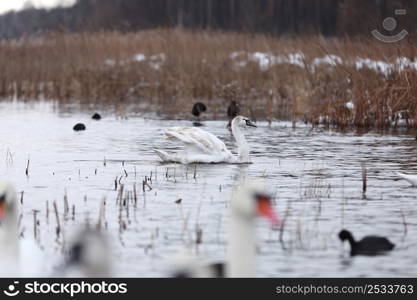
(66, 204)
(47, 212)
(364, 177)
(58, 223)
(35, 224)
(119, 197)
(27, 168)
(135, 196)
(101, 215)
(404, 221)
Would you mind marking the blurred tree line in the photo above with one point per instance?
(293, 17)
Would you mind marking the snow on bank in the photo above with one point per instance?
(265, 61)
(139, 57)
(377, 66)
(155, 61)
(329, 60)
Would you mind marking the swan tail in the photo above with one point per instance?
(166, 157)
(409, 178)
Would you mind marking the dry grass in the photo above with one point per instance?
(71, 67)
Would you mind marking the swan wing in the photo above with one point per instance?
(197, 140)
(412, 179)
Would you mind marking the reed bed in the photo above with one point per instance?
(168, 70)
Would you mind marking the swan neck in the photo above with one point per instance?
(242, 145)
(241, 248)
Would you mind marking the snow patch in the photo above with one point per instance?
(139, 57)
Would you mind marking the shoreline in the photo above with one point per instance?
(343, 83)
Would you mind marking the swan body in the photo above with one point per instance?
(9, 232)
(412, 179)
(204, 147)
(17, 257)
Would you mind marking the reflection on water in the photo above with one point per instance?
(314, 175)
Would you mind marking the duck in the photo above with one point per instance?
(369, 245)
(204, 147)
(79, 127)
(412, 179)
(197, 110)
(96, 116)
(88, 256)
(187, 265)
(232, 111)
(249, 201)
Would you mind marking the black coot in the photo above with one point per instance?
(96, 117)
(370, 245)
(79, 127)
(232, 111)
(198, 108)
(214, 270)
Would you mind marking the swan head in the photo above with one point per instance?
(8, 202)
(242, 122)
(251, 200)
(89, 254)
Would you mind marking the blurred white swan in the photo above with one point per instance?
(18, 257)
(412, 179)
(249, 201)
(203, 147)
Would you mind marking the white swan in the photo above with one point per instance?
(412, 179)
(17, 257)
(249, 201)
(203, 147)
(9, 232)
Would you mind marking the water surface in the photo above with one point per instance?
(315, 176)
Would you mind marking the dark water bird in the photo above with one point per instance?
(96, 116)
(198, 109)
(192, 268)
(232, 111)
(79, 127)
(370, 245)
(88, 255)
